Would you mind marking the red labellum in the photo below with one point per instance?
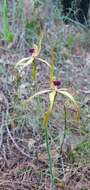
(57, 82)
(31, 50)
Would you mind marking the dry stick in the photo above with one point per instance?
(65, 128)
(18, 148)
(4, 49)
(11, 137)
(1, 129)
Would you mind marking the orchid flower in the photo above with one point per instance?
(34, 56)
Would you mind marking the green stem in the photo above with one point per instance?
(49, 156)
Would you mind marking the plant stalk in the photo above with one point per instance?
(49, 156)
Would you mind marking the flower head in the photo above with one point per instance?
(34, 51)
(31, 51)
(56, 82)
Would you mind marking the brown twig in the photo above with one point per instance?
(11, 137)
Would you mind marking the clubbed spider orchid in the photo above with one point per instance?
(53, 91)
(34, 56)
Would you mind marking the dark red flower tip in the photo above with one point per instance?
(31, 50)
(57, 82)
